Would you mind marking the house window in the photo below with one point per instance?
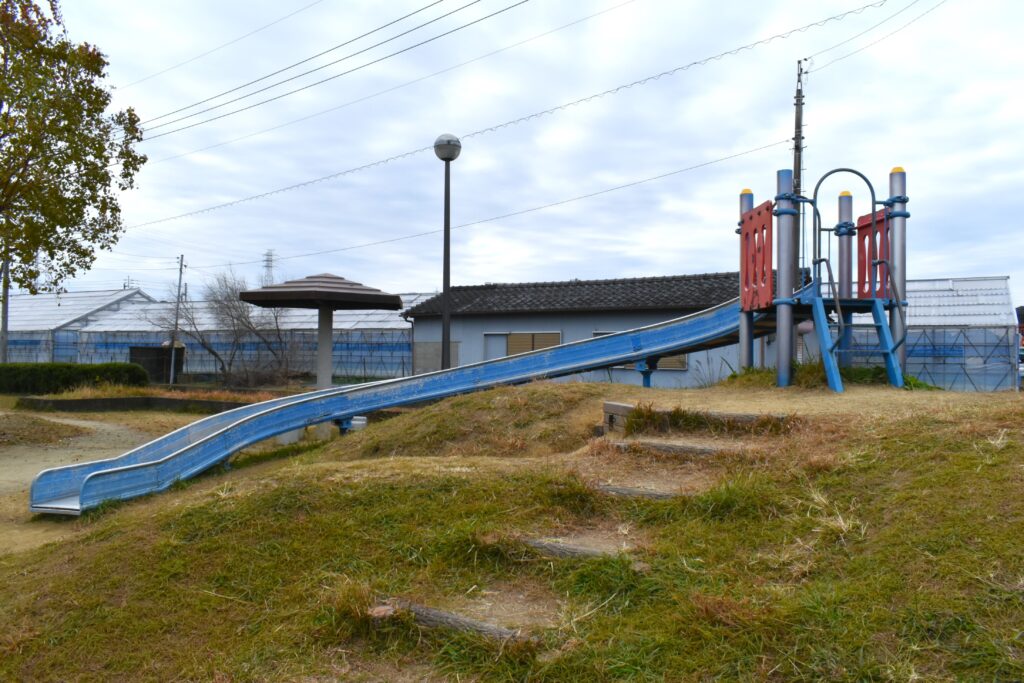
(521, 342)
(674, 362)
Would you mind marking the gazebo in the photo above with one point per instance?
(326, 293)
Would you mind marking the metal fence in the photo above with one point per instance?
(955, 358)
(379, 353)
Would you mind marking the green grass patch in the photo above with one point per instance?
(812, 376)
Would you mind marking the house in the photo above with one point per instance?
(494, 320)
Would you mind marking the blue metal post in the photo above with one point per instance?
(646, 367)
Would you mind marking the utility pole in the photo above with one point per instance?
(798, 163)
(5, 283)
(177, 310)
(798, 136)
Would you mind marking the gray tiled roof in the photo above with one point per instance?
(672, 292)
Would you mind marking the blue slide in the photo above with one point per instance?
(190, 450)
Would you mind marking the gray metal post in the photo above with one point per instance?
(898, 254)
(324, 347)
(845, 275)
(784, 311)
(447, 147)
(446, 306)
(746, 317)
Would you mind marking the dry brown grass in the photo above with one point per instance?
(19, 429)
(119, 391)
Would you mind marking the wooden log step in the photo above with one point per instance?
(428, 617)
(554, 548)
(633, 492)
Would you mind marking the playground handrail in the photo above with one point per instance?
(899, 297)
(835, 297)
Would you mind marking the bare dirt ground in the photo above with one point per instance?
(103, 435)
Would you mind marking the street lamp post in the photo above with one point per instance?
(447, 148)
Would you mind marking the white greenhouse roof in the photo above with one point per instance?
(958, 302)
(961, 302)
(49, 311)
(157, 316)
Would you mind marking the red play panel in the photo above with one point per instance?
(872, 231)
(756, 282)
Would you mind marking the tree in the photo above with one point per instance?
(248, 343)
(63, 158)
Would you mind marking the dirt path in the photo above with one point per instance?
(19, 464)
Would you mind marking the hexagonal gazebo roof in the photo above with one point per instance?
(322, 291)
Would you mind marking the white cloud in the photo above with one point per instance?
(940, 98)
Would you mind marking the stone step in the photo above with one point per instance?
(428, 617)
(669, 447)
(615, 415)
(557, 548)
(633, 492)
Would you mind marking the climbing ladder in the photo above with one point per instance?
(833, 347)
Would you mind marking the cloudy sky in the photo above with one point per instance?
(941, 97)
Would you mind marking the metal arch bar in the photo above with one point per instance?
(817, 217)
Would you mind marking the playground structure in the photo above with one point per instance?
(881, 276)
(759, 310)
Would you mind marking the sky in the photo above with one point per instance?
(940, 97)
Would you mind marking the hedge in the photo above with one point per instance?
(49, 378)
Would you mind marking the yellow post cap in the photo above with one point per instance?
(845, 193)
(897, 169)
(746, 191)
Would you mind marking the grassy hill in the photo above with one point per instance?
(877, 538)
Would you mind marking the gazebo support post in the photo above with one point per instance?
(324, 347)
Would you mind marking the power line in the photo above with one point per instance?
(394, 88)
(329, 78)
(308, 59)
(867, 30)
(221, 46)
(511, 214)
(887, 35)
(522, 119)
